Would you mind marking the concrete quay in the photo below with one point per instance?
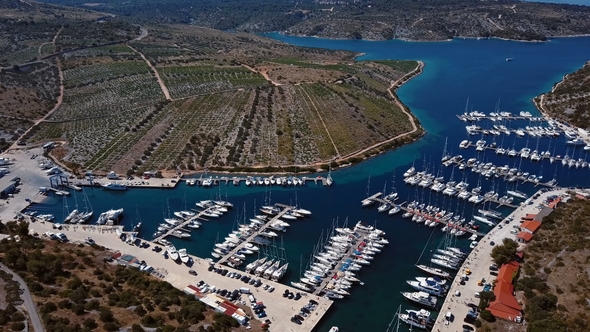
(478, 263)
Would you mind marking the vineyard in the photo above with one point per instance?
(186, 81)
(101, 102)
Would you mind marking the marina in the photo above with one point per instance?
(386, 277)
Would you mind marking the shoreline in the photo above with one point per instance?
(548, 38)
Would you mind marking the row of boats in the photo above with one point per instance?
(189, 219)
(340, 259)
(257, 181)
(461, 189)
(498, 116)
(261, 229)
(429, 289)
(533, 131)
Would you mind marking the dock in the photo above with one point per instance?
(255, 181)
(284, 209)
(326, 280)
(181, 226)
(500, 173)
(473, 118)
(376, 198)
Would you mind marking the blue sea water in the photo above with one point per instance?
(454, 72)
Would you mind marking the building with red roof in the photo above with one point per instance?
(505, 305)
(530, 226)
(524, 237)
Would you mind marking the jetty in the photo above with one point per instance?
(180, 226)
(250, 238)
(254, 181)
(377, 198)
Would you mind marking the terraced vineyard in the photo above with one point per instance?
(187, 81)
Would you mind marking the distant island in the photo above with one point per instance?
(363, 19)
(120, 96)
(569, 99)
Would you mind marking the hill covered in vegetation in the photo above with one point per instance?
(569, 100)
(76, 289)
(366, 19)
(179, 97)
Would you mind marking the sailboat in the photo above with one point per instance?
(89, 212)
(385, 205)
(367, 201)
(137, 226)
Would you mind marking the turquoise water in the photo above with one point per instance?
(455, 71)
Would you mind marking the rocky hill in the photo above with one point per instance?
(365, 19)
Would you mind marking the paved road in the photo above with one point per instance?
(27, 300)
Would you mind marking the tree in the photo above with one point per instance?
(90, 323)
(504, 253)
(487, 316)
(136, 328)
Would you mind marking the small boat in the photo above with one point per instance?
(172, 252)
(422, 298)
(184, 257)
(434, 271)
(517, 194)
(114, 186)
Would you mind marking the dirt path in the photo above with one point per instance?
(55, 108)
(323, 123)
(142, 35)
(52, 41)
(27, 300)
(162, 85)
(263, 73)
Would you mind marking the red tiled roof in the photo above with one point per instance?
(507, 272)
(531, 225)
(555, 202)
(526, 236)
(503, 311)
(505, 306)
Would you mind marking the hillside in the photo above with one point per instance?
(366, 19)
(554, 281)
(76, 289)
(179, 97)
(569, 100)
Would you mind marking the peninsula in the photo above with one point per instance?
(184, 98)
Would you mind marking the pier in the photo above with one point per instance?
(442, 220)
(499, 117)
(254, 181)
(499, 171)
(181, 226)
(284, 209)
(326, 280)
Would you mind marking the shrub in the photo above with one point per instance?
(90, 323)
(17, 326)
(487, 316)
